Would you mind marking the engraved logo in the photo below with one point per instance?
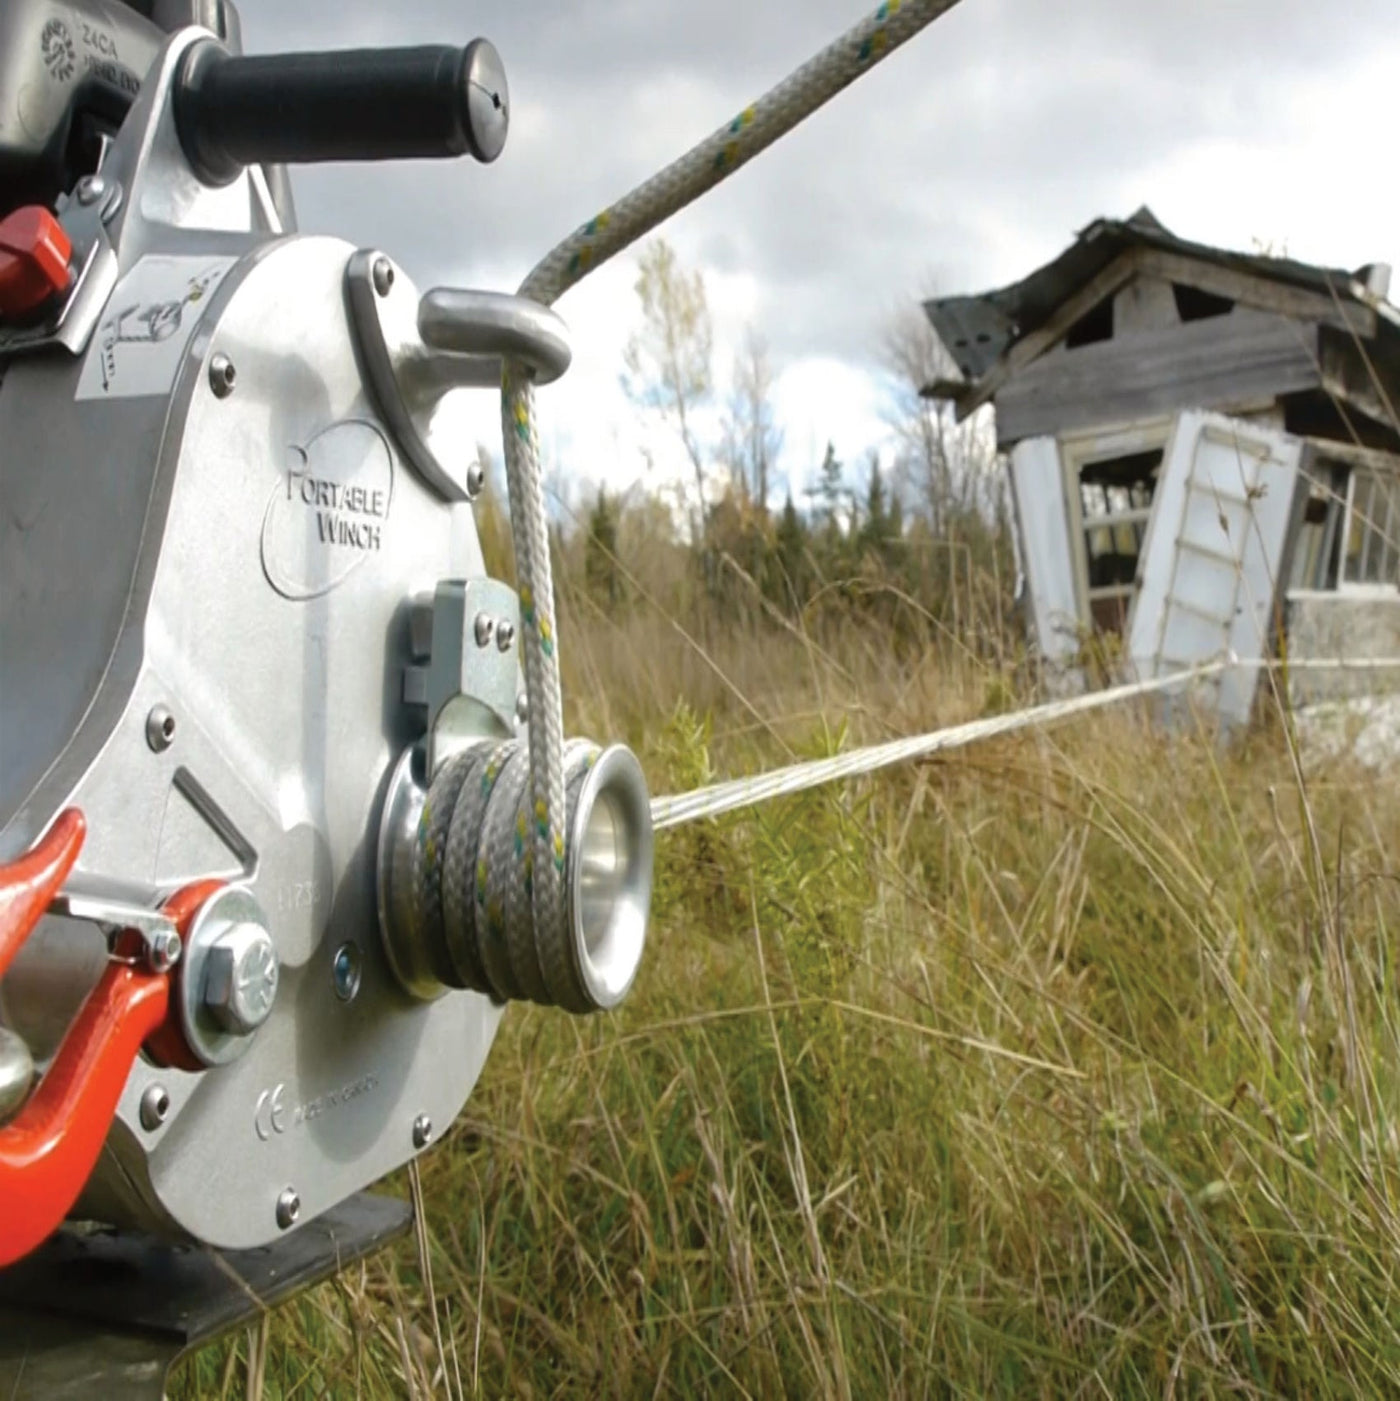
(272, 1115)
(329, 511)
(60, 53)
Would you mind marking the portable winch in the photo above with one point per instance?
(267, 830)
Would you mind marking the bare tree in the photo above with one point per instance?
(951, 464)
(668, 361)
(752, 438)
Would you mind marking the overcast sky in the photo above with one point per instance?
(963, 162)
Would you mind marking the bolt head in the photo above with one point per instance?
(485, 628)
(91, 188)
(288, 1208)
(422, 1131)
(476, 480)
(240, 978)
(155, 1107)
(505, 635)
(522, 708)
(160, 729)
(383, 276)
(222, 376)
(347, 971)
(164, 950)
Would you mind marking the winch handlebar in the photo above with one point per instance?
(353, 105)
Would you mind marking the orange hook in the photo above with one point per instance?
(48, 1152)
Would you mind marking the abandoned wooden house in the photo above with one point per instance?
(1204, 454)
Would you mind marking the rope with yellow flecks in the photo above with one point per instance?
(713, 160)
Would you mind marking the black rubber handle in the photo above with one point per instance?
(355, 105)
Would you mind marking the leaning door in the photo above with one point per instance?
(1211, 569)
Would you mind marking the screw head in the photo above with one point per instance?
(382, 274)
(288, 1208)
(422, 1131)
(522, 708)
(222, 375)
(485, 628)
(155, 1106)
(160, 729)
(91, 188)
(476, 480)
(346, 971)
(505, 634)
(240, 978)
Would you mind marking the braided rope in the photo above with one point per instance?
(715, 159)
(737, 793)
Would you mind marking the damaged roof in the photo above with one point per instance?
(978, 331)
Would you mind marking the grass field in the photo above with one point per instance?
(1064, 1066)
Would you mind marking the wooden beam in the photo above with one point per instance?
(1032, 346)
(1245, 357)
(1354, 456)
(1262, 293)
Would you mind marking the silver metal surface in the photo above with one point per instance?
(476, 480)
(488, 100)
(240, 978)
(470, 691)
(505, 635)
(16, 1073)
(422, 1131)
(155, 1107)
(610, 857)
(246, 563)
(416, 354)
(481, 329)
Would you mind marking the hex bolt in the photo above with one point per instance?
(91, 188)
(164, 950)
(505, 634)
(383, 275)
(155, 1106)
(240, 978)
(346, 971)
(476, 480)
(485, 628)
(422, 1131)
(160, 729)
(288, 1208)
(222, 375)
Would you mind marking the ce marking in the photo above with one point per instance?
(270, 1116)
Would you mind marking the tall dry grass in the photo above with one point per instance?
(1064, 1066)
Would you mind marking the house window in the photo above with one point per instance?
(1317, 552)
(1115, 499)
(1372, 522)
(1350, 537)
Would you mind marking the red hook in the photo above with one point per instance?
(47, 1153)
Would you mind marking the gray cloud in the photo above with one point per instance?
(988, 142)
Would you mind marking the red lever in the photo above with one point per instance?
(29, 884)
(48, 1152)
(34, 254)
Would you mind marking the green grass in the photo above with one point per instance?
(1064, 1066)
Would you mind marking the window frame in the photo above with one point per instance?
(1081, 450)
